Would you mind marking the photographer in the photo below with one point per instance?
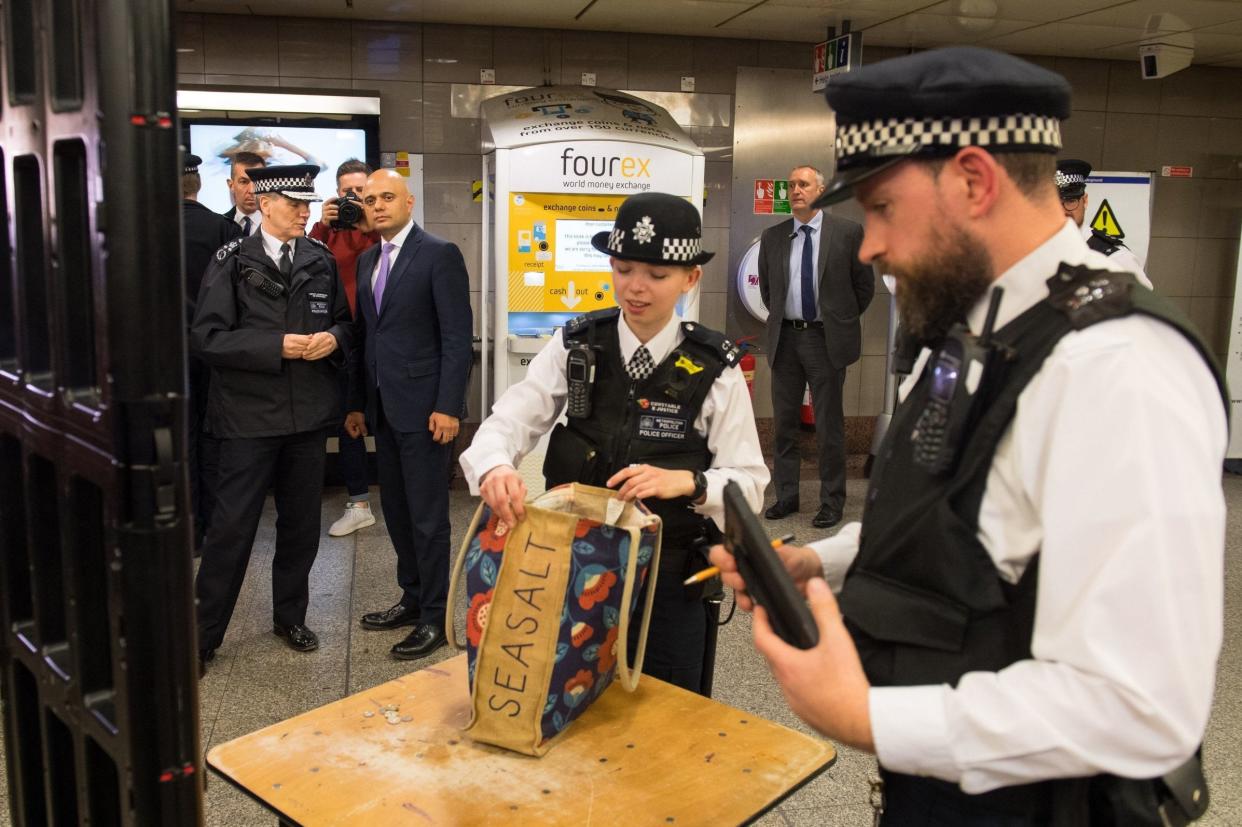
(343, 228)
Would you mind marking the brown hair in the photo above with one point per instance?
(245, 160)
(351, 166)
(1033, 173)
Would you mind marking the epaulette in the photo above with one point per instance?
(581, 324)
(718, 343)
(1109, 243)
(228, 249)
(1087, 296)
(325, 247)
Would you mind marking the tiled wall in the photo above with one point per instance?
(1120, 122)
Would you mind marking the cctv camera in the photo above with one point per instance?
(1159, 60)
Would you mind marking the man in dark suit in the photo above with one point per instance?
(204, 232)
(413, 332)
(816, 290)
(245, 210)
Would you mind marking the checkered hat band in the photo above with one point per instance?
(615, 238)
(1066, 179)
(682, 249)
(270, 185)
(890, 137)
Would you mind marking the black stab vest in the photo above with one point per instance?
(650, 421)
(923, 599)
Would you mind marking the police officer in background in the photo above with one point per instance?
(1071, 178)
(203, 232)
(1030, 613)
(647, 361)
(273, 324)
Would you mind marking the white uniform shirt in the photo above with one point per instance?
(272, 245)
(256, 218)
(528, 410)
(1124, 258)
(1111, 471)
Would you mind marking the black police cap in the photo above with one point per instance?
(656, 228)
(295, 181)
(189, 166)
(934, 103)
(1072, 177)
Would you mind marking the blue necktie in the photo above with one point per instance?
(808, 275)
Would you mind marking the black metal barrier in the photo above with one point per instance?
(97, 647)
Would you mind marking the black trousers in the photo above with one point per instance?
(802, 358)
(677, 636)
(203, 452)
(414, 480)
(911, 801)
(293, 466)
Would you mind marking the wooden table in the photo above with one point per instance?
(661, 755)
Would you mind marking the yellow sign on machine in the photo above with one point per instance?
(552, 266)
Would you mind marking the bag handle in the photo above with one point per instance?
(459, 566)
(629, 679)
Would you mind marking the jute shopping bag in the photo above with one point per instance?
(551, 602)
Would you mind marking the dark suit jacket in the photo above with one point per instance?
(418, 348)
(846, 285)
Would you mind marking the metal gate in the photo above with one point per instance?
(97, 650)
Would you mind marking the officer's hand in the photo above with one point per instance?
(504, 491)
(330, 211)
(824, 686)
(294, 345)
(802, 564)
(355, 424)
(321, 344)
(648, 482)
(443, 427)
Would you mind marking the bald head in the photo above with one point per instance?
(388, 202)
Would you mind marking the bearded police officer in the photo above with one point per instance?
(648, 365)
(1030, 612)
(1071, 178)
(273, 324)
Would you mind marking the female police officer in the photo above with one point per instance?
(666, 418)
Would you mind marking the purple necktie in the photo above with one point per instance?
(382, 279)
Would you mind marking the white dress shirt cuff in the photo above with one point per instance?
(475, 470)
(911, 732)
(837, 553)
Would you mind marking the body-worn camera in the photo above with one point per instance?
(349, 212)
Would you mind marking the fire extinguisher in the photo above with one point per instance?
(747, 363)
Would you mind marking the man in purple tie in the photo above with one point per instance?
(412, 331)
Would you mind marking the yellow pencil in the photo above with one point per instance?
(712, 571)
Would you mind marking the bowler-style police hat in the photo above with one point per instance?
(1072, 178)
(932, 104)
(189, 166)
(656, 228)
(295, 181)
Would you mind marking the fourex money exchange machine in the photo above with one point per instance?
(559, 160)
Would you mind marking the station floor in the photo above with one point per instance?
(256, 681)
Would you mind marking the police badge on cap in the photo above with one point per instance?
(295, 181)
(1072, 178)
(656, 228)
(932, 104)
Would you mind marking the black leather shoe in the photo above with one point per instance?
(391, 618)
(421, 642)
(781, 510)
(204, 656)
(297, 637)
(827, 517)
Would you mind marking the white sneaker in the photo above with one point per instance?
(356, 516)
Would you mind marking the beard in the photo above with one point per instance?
(937, 291)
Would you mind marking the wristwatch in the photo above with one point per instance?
(700, 486)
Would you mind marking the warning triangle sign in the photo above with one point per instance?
(1106, 222)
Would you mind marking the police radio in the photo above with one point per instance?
(262, 283)
(580, 373)
(956, 374)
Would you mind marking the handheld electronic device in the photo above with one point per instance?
(261, 282)
(580, 373)
(767, 581)
(956, 375)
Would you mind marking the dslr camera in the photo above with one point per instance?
(349, 212)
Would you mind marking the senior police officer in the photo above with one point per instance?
(1030, 612)
(646, 361)
(273, 324)
(1071, 178)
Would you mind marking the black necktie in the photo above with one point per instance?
(808, 275)
(246, 226)
(286, 260)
